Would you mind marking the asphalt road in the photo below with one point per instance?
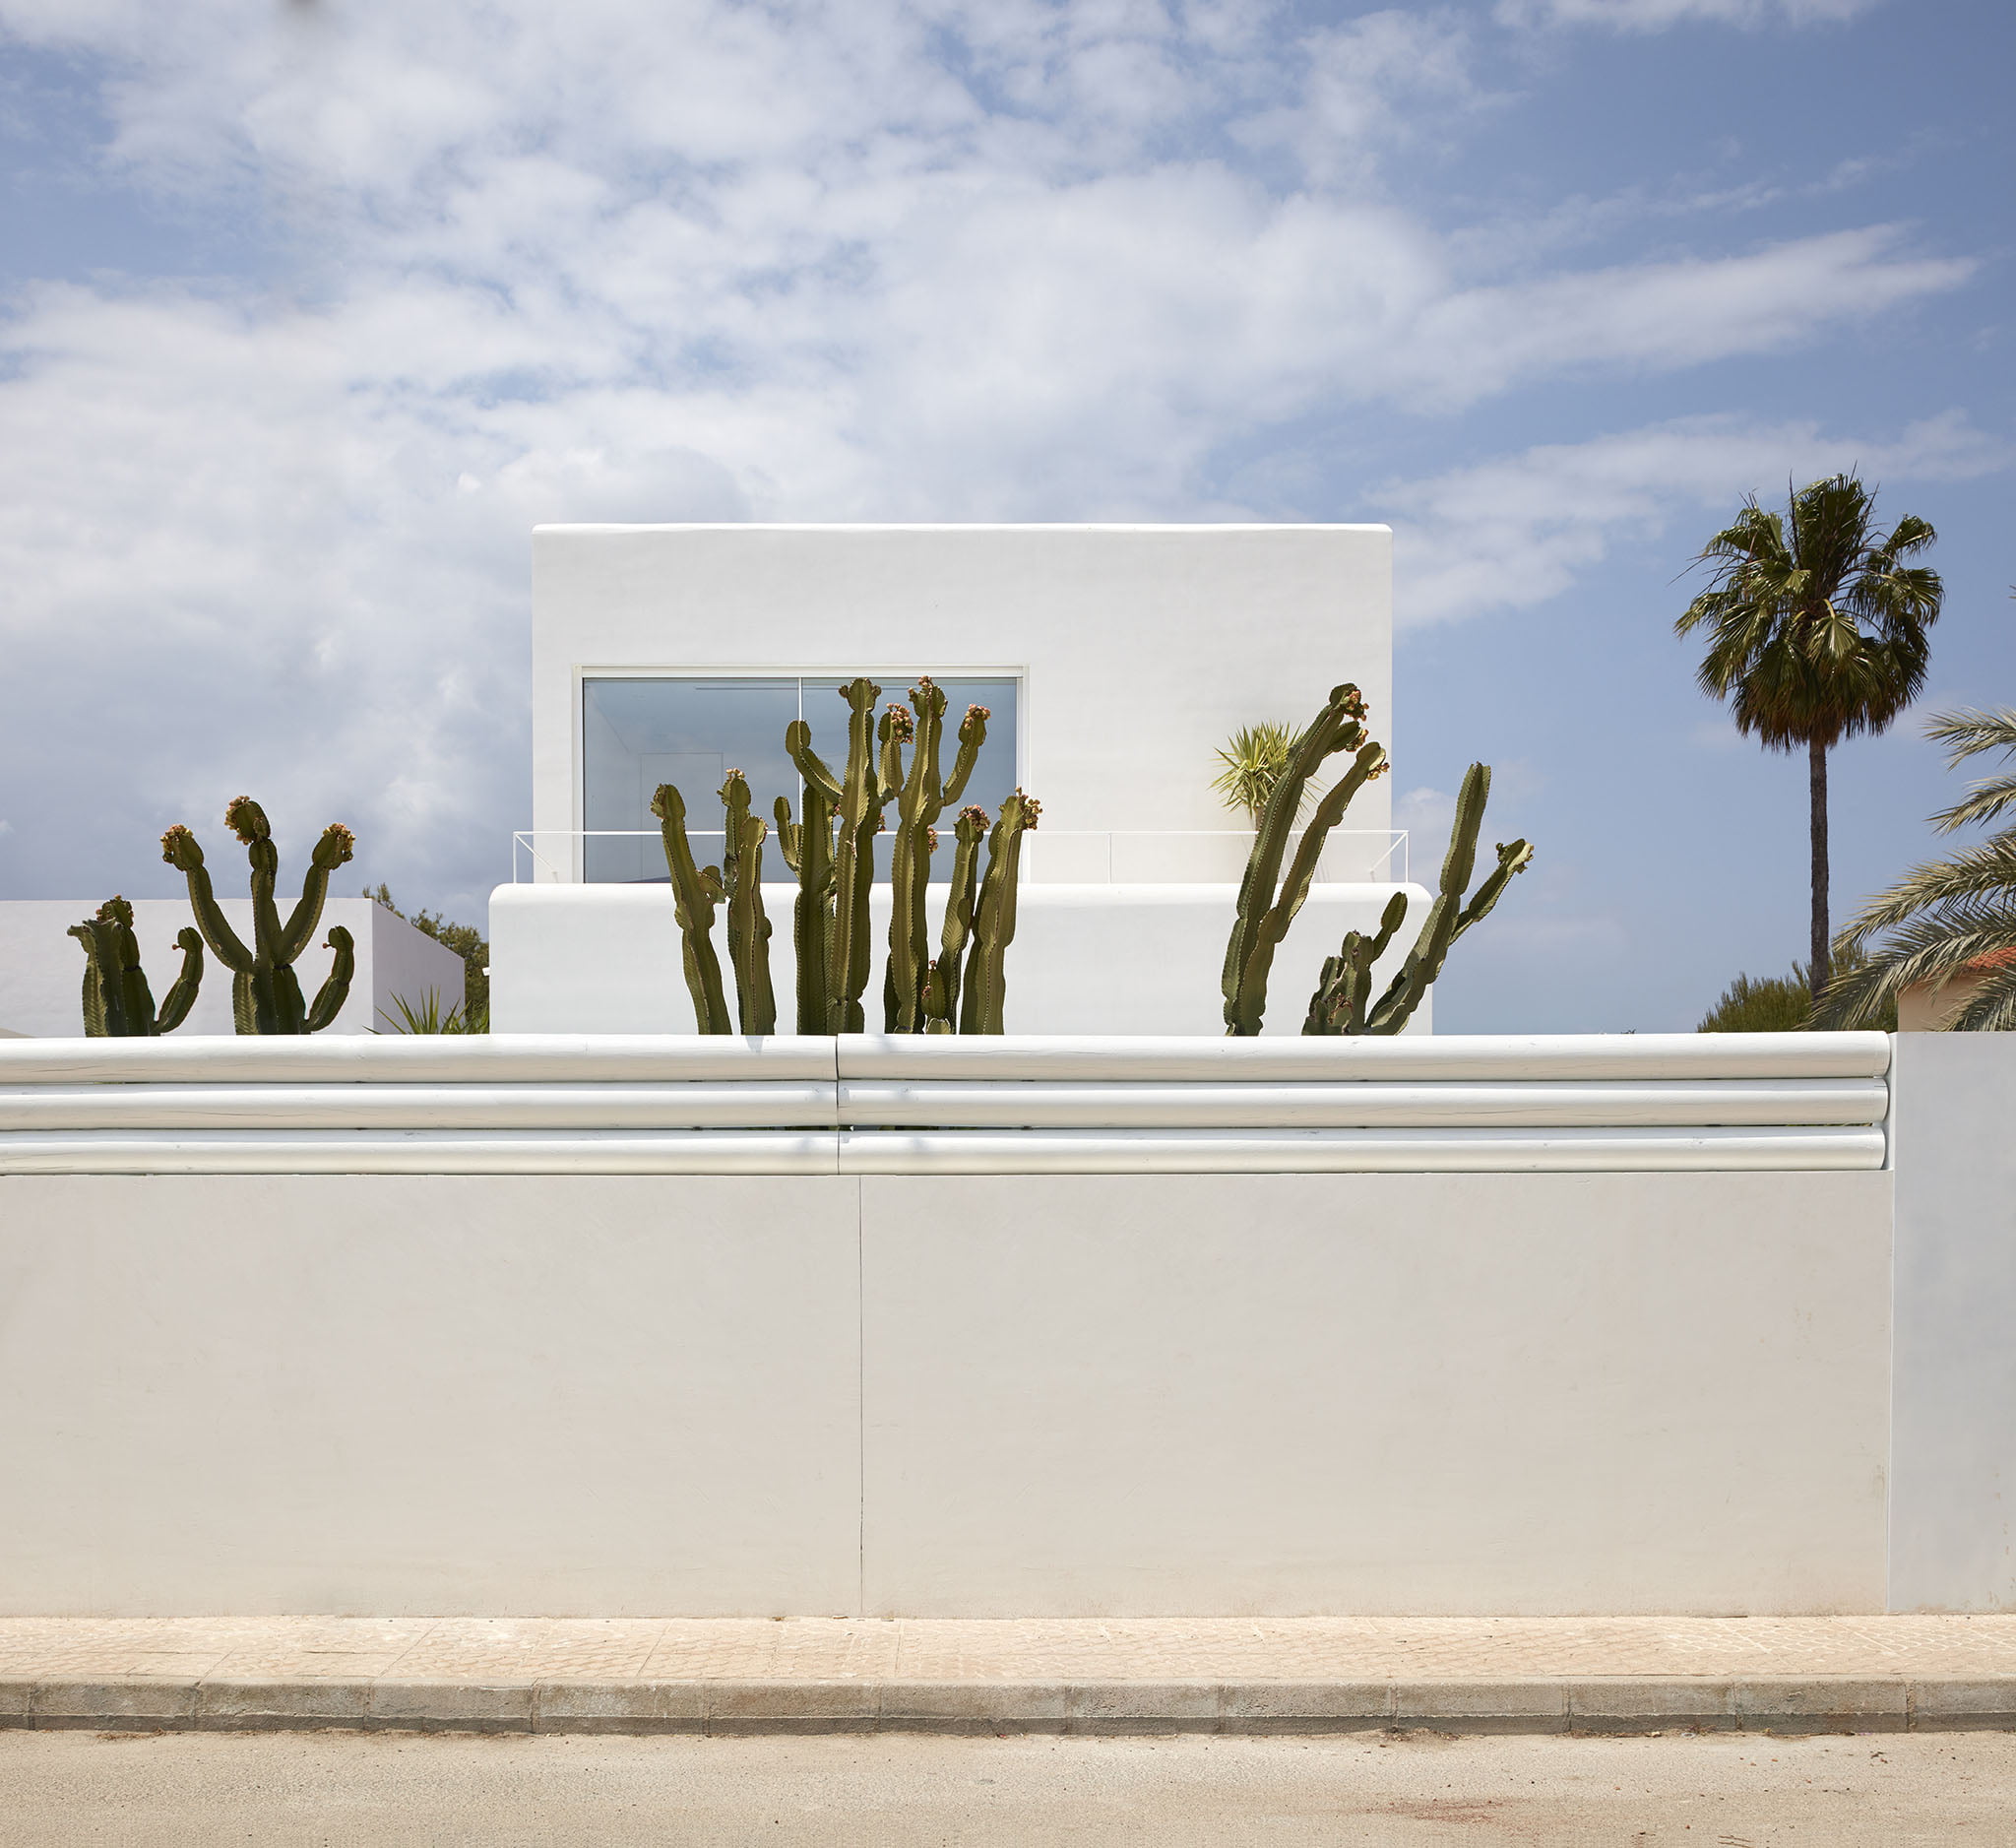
(332, 1789)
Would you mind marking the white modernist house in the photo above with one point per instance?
(1113, 660)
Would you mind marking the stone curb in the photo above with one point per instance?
(1588, 1704)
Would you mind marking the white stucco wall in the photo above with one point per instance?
(41, 969)
(1085, 958)
(1139, 648)
(611, 1395)
(1953, 1522)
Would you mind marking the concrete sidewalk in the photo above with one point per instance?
(1224, 1675)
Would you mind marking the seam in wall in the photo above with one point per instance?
(860, 1397)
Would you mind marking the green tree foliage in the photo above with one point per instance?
(1780, 1003)
(472, 1014)
(1816, 631)
(1947, 914)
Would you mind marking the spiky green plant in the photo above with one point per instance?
(696, 891)
(894, 758)
(117, 1002)
(429, 1017)
(1268, 903)
(1255, 758)
(741, 874)
(1342, 1003)
(266, 995)
(1948, 916)
(984, 985)
(1816, 631)
(919, 800)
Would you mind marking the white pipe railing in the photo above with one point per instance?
(868, 1103)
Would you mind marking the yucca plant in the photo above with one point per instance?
(1256, 757)
(428, 1016)
(1948, 916)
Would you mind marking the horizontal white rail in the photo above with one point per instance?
(1623, 1104)
(1343, 1152)
(870, 1103)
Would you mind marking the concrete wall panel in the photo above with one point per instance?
(1407, 1393)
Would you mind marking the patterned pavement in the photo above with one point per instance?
(489, 1651)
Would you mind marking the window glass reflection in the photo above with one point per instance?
(639, 731)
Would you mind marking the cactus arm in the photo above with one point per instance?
(787, 832)
(181, 996)
(918, 801)
(748, 927)
(247, 820)
(242, 1013)
(1246, 1014)
(981, 1006)
(750, 933)
(335, 848)
(94, 998)
(854, 868)
(797, 743)
(1338, 1005)
(1447, 914)
(1336, 726)
(694, 897)
(330, 997)
(277, 1001)
(973, 733)
(132, 1015)
(1514, 857)
(180, 849)
(811, 911)
(941, 1005)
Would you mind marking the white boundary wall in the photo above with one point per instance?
(1953, 1508)
(1639, 1361)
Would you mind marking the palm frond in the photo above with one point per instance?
(1982, 873)
(1992, 1007)
(1931, 948)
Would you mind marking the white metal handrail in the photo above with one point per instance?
(1049, 855)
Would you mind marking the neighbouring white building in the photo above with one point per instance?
(41, 969)
(1114, 659)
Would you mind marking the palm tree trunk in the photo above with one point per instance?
(1816, 787)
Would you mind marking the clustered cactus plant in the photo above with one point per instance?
(830, 848)
(117, 1002)
(266, 996)
(1268, 902)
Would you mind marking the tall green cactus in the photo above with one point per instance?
(830, 848)
(807, 848)
(696, 891)
(920, 799)
(1266, 903)
(266, 996)
(941, 988)
(742, 870)
(1340, 1003)
(984, 985)
(117, 1002)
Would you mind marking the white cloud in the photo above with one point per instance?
(1518, 530)
(693, 260)
(1652, 16)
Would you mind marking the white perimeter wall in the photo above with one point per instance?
(1126, 959)
(1953, 1524)
(1141, 646)
(41, 969)
(974, 1395)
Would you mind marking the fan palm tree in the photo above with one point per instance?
(1950, 915)
(1816, 632)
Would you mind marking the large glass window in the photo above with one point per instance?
(639, 730)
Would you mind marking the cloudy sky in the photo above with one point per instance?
(313, 307)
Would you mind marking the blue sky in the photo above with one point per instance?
(312, 307)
